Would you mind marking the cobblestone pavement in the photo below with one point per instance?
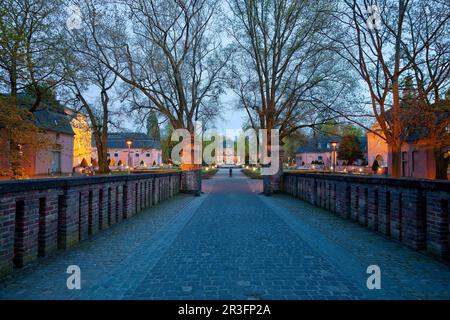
(233, 243)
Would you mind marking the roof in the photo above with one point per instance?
(319, 144)
(47, 117)
(53, 121)
(140, 141)
(419, 128)
(322, 144)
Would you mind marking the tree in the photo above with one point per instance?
(427, 50)
(85, 75)
(166, 143)
(28, 46)
(23, 137)
(371, 41)
(27, 65)
(284, 69)
(153, 126)
(349, 149)
(172, 60)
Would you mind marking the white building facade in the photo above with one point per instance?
(142, 152)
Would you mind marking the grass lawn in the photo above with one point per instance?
(209, 174)
(252, 174)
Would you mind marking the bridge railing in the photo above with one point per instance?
(38, 217)
(415, 212)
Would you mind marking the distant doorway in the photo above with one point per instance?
(56, 162)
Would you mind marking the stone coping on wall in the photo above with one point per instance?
(432, 185)
(51, 183)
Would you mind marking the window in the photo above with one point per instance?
(108, 155)
(148, 155)
(320, 158)
(137, 155)
(116, 155)
(404, 163)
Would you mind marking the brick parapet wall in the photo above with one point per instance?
(415, 212)
(38, 217)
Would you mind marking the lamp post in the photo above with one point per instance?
(129, 143)
(334, 145)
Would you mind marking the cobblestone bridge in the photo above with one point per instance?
(233, 243)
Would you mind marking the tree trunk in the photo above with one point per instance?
(276, 180)
(101, 140)
(189, 165)
(103, 167)
(441, 165)
(272, 184)
(396, 163)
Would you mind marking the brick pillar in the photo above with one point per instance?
(119, 203)
(152, 192)
(93, 213)
(343, 199)
(313, 192)
(68, 235)
(7, 226)
(103, 208)
(328, 195)
(372, 208)
(384, 211)
(363, 205)
(190, 182)
(438, 239)
(27, 232)
(83, 218)
(164, 187)
(147, 194)
(128, 201)
(414, 219)
(354, 203)
(171, 186)
(333, 197)
(156, 191)
(48, 225)
(396, 215)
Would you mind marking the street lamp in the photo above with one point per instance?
(129, 143)
(334, 145)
